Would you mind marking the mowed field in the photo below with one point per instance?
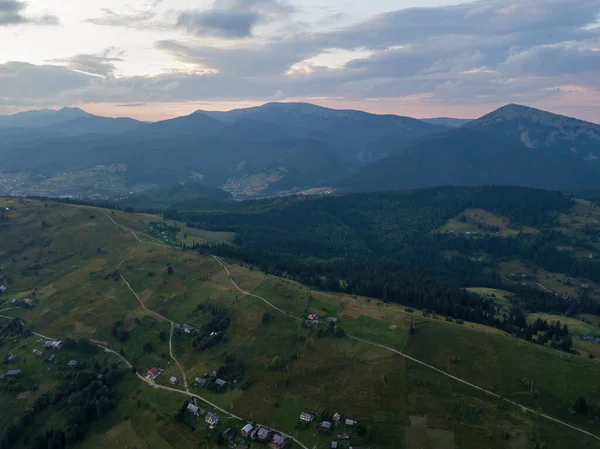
(404, 405)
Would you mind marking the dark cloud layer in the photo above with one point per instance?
(102, 64)
(12, 13)
(233, 19)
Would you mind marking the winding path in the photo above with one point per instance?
(395, 351)
(187, 392)
(420, 362)
(252, 294)
(158, 315)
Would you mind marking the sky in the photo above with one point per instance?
(155, 59)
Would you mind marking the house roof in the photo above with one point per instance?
(13, 372)
(211, 418)
(263, 433)
(200, 380)
(247, 428)
(220, 382)
(306, 416)
(326, 425)
(193, 408)
(278, 438)
(350, 422)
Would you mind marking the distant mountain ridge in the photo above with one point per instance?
(514, 145)
(67, 122)
(281, 148)
(534, 128)
(41, 118)
(447, 121)
(354, 135)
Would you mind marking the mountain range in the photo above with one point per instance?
(287, 147)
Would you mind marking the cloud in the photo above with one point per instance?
(484, 52)
(233, 19)
(111, 18)
(130, 105)
(133, 18)
(102, 64)
(11, 13)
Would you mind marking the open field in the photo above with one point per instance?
(483, 222)
(288, 368)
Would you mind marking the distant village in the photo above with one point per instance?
(48, 350)
(277, 440)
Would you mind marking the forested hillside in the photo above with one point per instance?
(387, 245)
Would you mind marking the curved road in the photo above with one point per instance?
(402, 354)
(158, 315)
(252, 294)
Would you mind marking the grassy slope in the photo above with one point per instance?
(359, 381)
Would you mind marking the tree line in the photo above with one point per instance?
(81, 399)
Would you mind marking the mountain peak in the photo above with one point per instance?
(73, 112)
(514, 111)
(534, 128)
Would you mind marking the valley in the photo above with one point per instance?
(281, 364)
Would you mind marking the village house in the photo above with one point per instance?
(51, 358)
(38, 352)
(336, 418)
(350, 423)
(30, 302)
(52, 344)
(11, 358)
(326, 426)
(220, 382)
(313, 316)
(3, 289)
(153, 373)
(212, 419)
(193, 409)
(201, 382)
(307, 417)
(229, 434)
(334, 445)
(13, 373)
(246, 430)
(332, 319)
(72, 363)
(188, 329)
(263, 434)
(174, 381)
(279, 441)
